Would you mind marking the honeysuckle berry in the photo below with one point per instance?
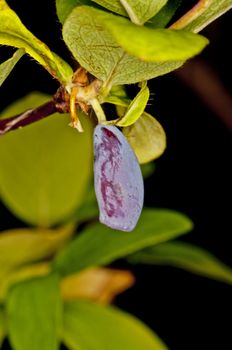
(118, 179)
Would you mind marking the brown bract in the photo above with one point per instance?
(67, 99)
(101, 285)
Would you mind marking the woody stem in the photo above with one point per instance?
(27, 117)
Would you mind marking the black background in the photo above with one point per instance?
(193, 176)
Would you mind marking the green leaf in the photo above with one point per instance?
(148, 169)
(140, 11)
(149, 44)
(22, 273)
(14, 33)
(88, 326)
(163, 17)
(7, 66)
(89, 208)
(118, 96)
(202, 14)
(120, 111)
(34, 314)
(187, 257)
(97, 51)
(2, 325)
(135, 108)
(22, 246)
(100, 245)
(112, 5)
(64, 7)
(147, 138)
(45, 167)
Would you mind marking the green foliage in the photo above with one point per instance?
(14, 33)
(135, 108)
(2, 325)
(140, 11)
(89, 208)
(53, 166)
(22, 273)
(148, 169)
(45, 173)
(96, 50)
(7, 66)
(34, 312)
(22, 246)
(187, 257)
(152, 45)
(64, 7)
(147, 138)
(144, 9)
(114, 6)
(89, 326)
(117, 96)
(203, 14)
(99, 245)
(148, 44)
(163, 17)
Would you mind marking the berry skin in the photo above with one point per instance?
(118, 179)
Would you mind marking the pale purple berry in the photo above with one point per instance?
(118, 179)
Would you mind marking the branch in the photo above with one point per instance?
(202, 14)
(28, 117)
(192, 14)
(205, 82)
(60, 103)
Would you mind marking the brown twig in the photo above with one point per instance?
(205, 82)
(27, 117)
(192, 14)
(59, 103)
(62, 102)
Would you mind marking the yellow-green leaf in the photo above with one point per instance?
(140, 11)
(14, 33)
(45, 167)
(97, 51)
(147, 138)
(202, 14)
(7, 66)
(2, 325)
(118, 96)
(89, 209)
(185, 256)
(88, 326)
(148, 44)
(34, 314)
(148, 169)
(100, 245)
(20, 274)
(22, 246)
(135, 108)
(64, 7)
(163, 17)
(114, 6)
